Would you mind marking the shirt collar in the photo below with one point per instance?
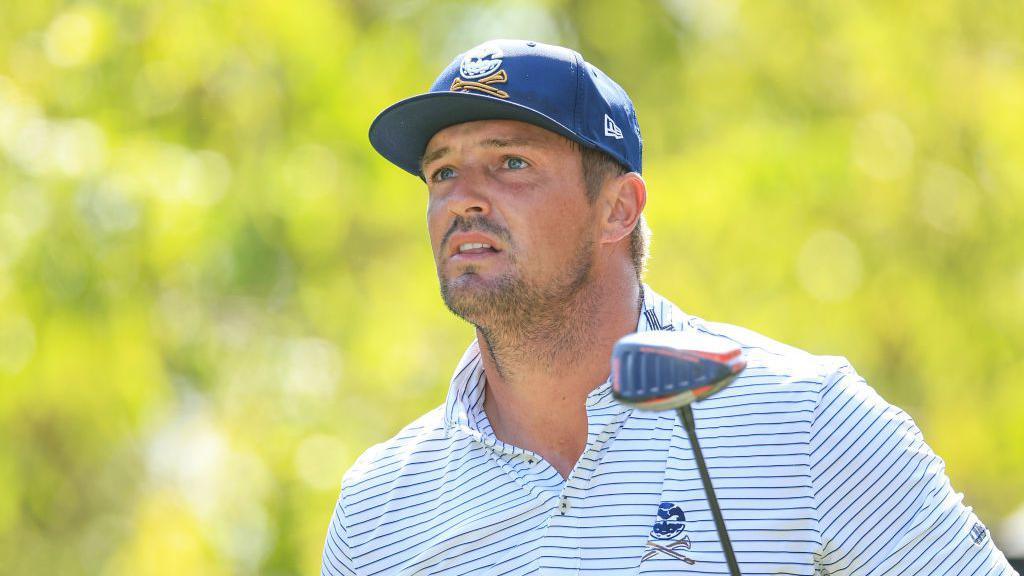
(464, 407)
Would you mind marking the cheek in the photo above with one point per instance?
(564, 218)
(436, 226)
(549, 236)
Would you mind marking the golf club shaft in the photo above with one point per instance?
(686, 415)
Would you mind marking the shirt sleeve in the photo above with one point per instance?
(885, 506)
(337, 558)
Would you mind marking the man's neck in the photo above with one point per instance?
(538, 377)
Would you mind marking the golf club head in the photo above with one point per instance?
(662, 370)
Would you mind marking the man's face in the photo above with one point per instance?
(518, 190)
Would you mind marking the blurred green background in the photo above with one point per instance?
(214, 295)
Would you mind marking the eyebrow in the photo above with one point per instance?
(489, 143)
(436, 154)
(506, 142)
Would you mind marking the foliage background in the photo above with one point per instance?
(214, 295)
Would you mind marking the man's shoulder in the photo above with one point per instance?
(417, 443)
(393, 483)
(769, 359)
(781, 392)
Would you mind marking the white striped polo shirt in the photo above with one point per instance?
(814, 472)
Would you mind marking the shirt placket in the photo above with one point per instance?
(561, 552)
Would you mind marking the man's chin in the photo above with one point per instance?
(476, 299)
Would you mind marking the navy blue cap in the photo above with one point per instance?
(548, 86)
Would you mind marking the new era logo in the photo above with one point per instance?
(610, 129)
(978, 533)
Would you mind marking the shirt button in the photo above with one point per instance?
(563, 505)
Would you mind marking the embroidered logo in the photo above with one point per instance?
(671, 522)
(484, 85)
(979, 533)
(611, 128)
(479, 70)
(481, 61)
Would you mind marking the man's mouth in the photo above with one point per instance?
(473, 251)
(475, 248)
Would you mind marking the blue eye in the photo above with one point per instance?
(515, 163)
(443, 174)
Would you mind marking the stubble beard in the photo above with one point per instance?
(521, 319)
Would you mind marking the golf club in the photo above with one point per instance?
(663, 370)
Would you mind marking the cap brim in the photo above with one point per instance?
(401, 132)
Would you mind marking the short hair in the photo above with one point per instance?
(598, 167)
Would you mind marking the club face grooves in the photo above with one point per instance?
(662, 373)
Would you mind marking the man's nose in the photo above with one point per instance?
(469, 196)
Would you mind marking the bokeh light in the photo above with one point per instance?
(214, 295)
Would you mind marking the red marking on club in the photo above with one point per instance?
(698, 392)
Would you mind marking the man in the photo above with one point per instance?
(532, 162)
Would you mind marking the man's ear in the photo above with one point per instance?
(624, 198)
